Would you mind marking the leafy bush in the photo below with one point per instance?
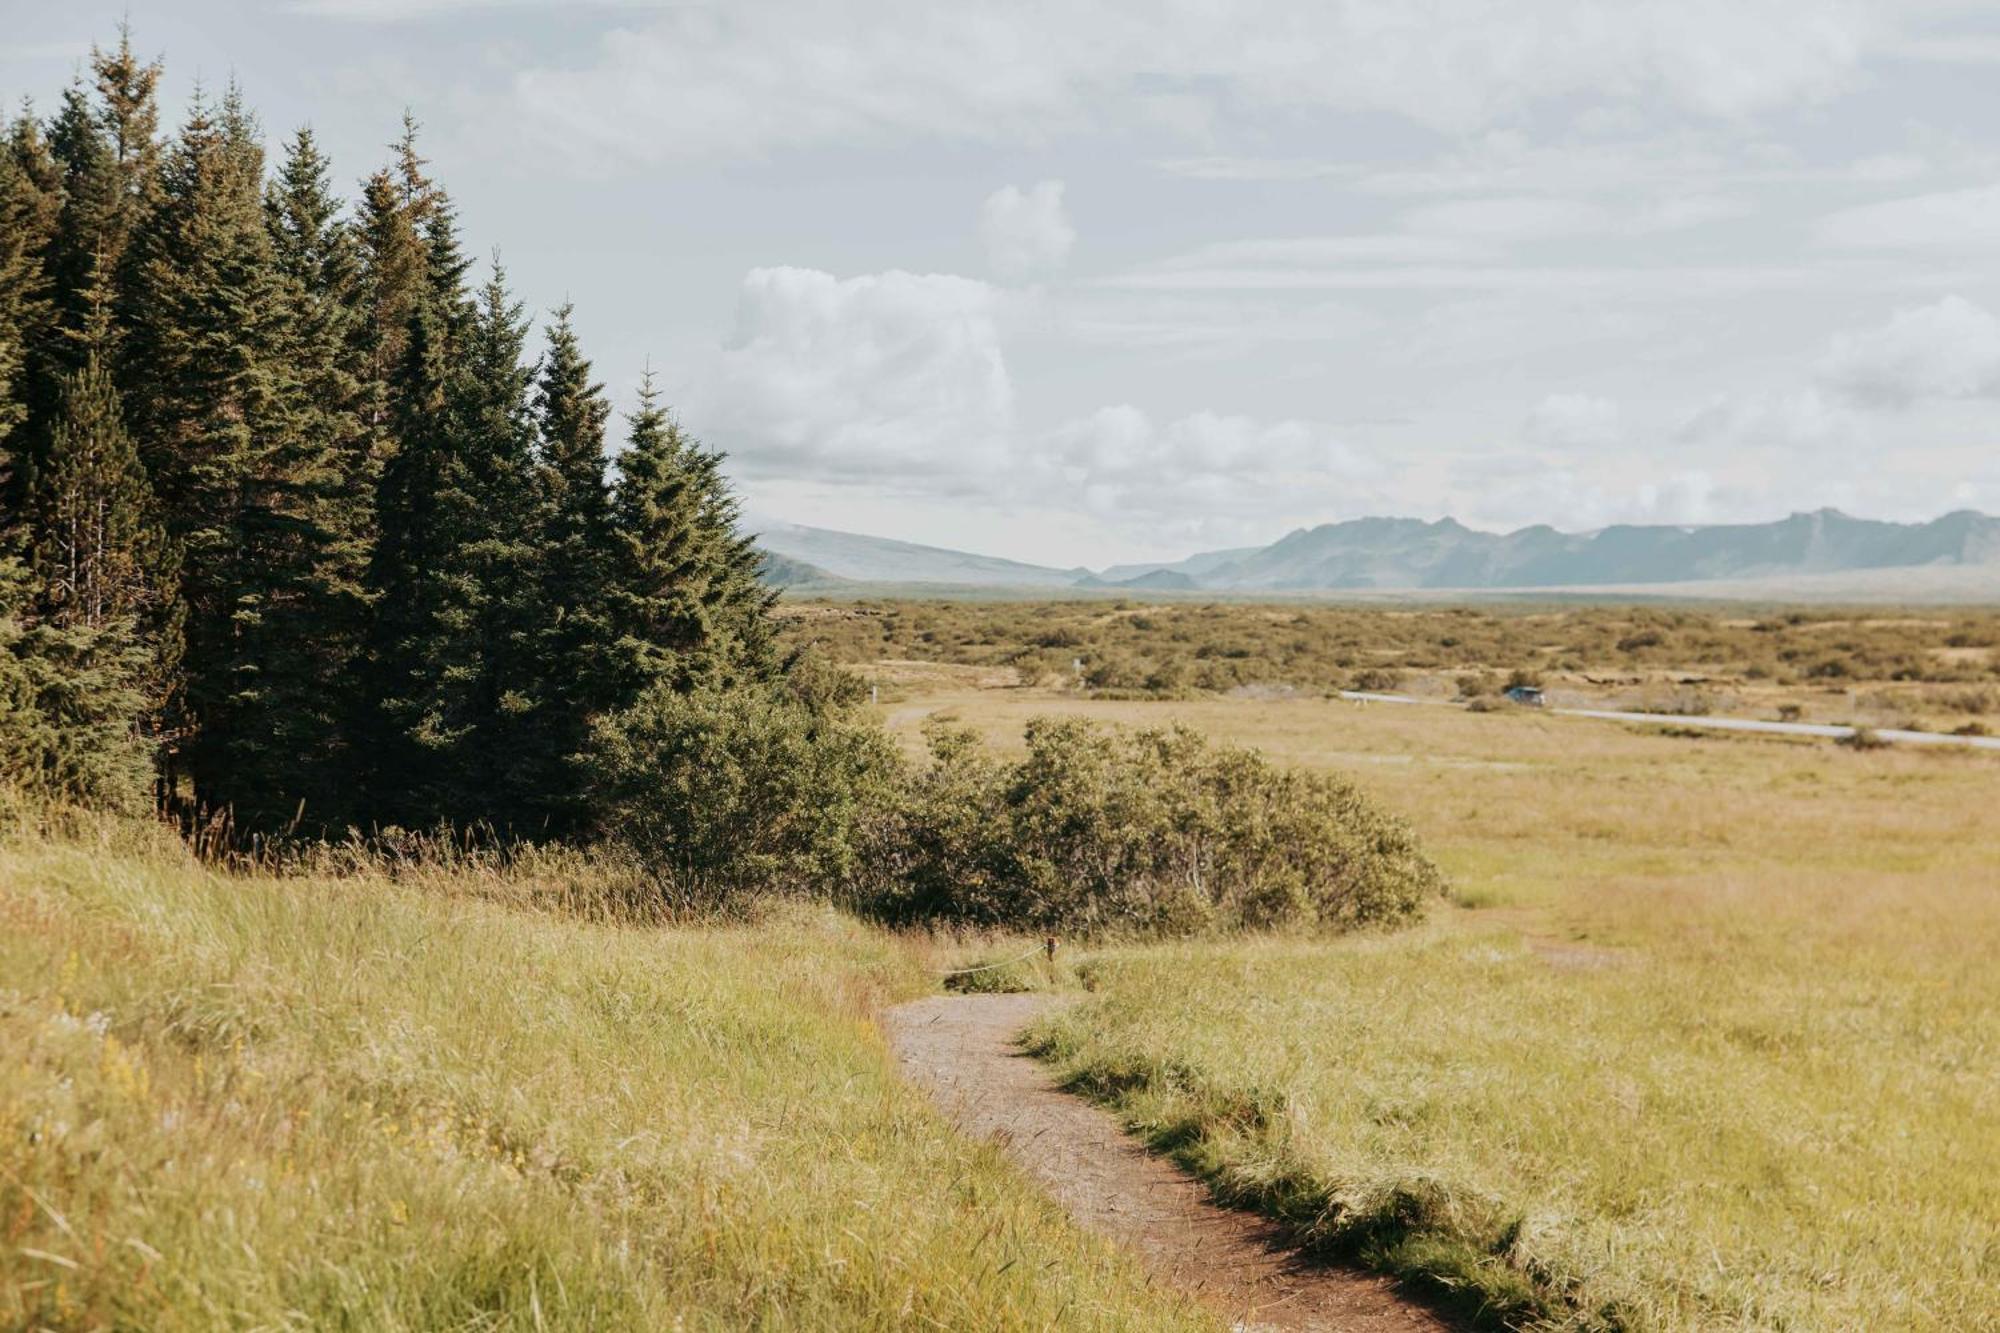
(745, 791)
(1094, 831)
(1098, 830)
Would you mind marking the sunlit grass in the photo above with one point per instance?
(249, 1102)
(1713, 1042)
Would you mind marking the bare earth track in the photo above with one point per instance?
(962, 1048)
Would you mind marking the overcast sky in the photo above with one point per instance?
(1077, 281)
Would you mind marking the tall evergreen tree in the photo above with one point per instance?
(27, 219)
(457, 626)
(96, 538)
(686, 602)
(575, 561)
(209, 408)
(31, 199)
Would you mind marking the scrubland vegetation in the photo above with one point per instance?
(438, 892)
(1937, 669)
(1708, 1040)
(447, 1101)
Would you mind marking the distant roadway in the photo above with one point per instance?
(1822, 729)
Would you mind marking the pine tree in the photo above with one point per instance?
(208, 406)
(418, 617)
(504, 557)
(68, 705)
(26, 221)
(455, 573)
(30, 213)
(293, 758)
(96, 540)
(575, 655)
(686, 602)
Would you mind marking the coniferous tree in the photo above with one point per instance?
(686, 601)
(502, 558)
(97, 543)
(575, 561)
(419, 614)
(366, 555)
(454, 569)
(207, 405)
(27, 220)
(306, 633)
(68, 705)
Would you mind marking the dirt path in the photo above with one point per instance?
(962, 1049)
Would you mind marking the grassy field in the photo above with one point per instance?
(256, 1103)
(1711, 1038)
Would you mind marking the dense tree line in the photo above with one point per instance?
(293, 530)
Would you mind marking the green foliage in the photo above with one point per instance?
(92, 508)
(68, 707)
(686, 601)
(725, 793)
(1105, 831)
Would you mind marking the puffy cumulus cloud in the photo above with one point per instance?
(1026, 231)
(1127, 467)
(1947, 219)
(898, 382)
(1950, 349)
(759, 75)
(1573, 421)
(895, 375)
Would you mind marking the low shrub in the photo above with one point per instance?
(748, 791)
(1095, 831)
(1101, 831)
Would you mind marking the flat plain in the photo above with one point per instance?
(1706, 1038)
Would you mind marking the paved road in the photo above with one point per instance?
(1822, 729)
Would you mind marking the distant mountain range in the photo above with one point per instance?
(1407, 553)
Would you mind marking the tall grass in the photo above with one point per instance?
(345, 1102)
(1717, 1049)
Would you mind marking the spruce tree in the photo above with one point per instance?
(24, 227)
(575, 561)
(209, 404)
(455, 573)
(68, 705)
(30, 213)
(301, 613)
(96, 541)
(686, 602)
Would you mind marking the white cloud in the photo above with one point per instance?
(1795, 425)
(1513, 491)
(898, 382)
(1026, 231)
(1128, 469)
(891, 375)
(1950, 349)
(1573, 421)
(1950, 218)
(759, 75)
(1515, 218)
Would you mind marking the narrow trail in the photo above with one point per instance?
(962, 1049)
